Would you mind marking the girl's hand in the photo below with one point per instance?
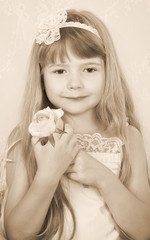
(53, 160)
(87, 170)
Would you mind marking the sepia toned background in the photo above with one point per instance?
(128, 22)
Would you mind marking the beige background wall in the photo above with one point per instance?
(129, 24)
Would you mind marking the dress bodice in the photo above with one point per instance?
(106, 150)
(93, 219)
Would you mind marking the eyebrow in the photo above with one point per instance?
(66, 64)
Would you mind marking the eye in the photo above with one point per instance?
(90, 70)
(60, 71)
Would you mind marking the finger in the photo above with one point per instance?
(51, 140)
(70, 168)
(40, 142)
(73, 176)
(66, 137)
(56, 136)
(74, 166)
(68, 128)
(48, 145)
(60, 124)
(34, 140)
(68, 133)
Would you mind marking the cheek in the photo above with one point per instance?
(50, 85)
(102, 84)
(52, 92)
(99, 90)
(97, 87)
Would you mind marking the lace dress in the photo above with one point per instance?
(94, 221)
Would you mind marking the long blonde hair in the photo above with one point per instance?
(115, 105)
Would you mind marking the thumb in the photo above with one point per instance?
(73, 176)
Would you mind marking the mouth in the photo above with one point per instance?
(76, 98)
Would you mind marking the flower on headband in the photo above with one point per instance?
(44, 122)
(48, 30)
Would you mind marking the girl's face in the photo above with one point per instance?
(75, 85)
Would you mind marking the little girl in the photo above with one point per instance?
(87, 178)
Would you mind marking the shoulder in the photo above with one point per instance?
(136, 154)
(135, 142)
(133, 133)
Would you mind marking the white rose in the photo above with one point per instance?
(44, 122)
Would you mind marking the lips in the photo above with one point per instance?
(76, 97)
(79, 98)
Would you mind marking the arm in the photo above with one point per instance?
(129, 205)
(27, 206)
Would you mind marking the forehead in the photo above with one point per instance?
(71, 57)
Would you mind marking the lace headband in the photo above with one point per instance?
(49, 28)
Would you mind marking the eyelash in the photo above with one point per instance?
(61, 71)
(90, 68)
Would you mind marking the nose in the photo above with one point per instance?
(74, 81)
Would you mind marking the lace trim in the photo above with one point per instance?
(97, 143)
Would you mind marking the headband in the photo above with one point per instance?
(49, 28)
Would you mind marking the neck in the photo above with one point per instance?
(84, 123)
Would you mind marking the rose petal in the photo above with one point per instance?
(44, 122)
